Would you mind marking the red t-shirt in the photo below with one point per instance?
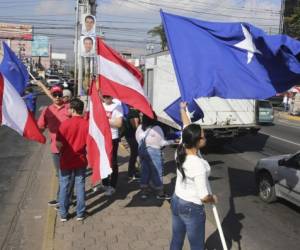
(73, 133)
(51, 118)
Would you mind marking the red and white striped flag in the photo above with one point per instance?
(99, 142)
(120, 79)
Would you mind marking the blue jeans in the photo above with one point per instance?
(152, 167)
(55, 158)
(187, 218)
(56, 162)
(65, 182)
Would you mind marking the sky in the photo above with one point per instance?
(125, 23)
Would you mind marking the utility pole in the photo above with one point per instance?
(83, 65)
(77, 24)
(282, 10)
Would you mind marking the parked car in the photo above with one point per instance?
(279, 176)
(265, 111)
(53, 80)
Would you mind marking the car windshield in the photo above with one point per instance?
(265, 104)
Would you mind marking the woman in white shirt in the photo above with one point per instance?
(150, 138)
(191, 191)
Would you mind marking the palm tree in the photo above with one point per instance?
(159, 31)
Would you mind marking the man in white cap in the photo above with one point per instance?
(67, 95)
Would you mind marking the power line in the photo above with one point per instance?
(196, 11)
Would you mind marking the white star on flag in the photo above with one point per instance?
(247, 44)
(192, 114)
(13, 66)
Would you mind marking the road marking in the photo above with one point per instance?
(279, 138)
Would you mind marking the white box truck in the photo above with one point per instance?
(223, 118)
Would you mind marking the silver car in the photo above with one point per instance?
(279, 176)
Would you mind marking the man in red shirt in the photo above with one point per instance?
(71, 140)
(50, 118)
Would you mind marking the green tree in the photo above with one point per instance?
(291, 24)
(159, 31)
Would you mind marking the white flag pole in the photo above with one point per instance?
(214, 208)
(42, 86)
(219, 226)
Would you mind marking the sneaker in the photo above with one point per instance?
(100, 187)
(63, 219)
(163, 197)
(144, 194)
(53, 203)
(56, 208)
(135, 177)
(80, 218)
(109, 191)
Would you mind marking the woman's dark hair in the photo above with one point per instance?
(77, 105)
(148, 122)
(190, 138)
(89, 17)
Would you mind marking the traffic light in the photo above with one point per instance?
(93, 4)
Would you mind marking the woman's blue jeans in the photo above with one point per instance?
(152, 167)
(187, 218)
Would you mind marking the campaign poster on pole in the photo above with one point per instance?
(88, 25)
(87, 46)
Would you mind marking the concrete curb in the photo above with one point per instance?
(283, 115)
(49, 229)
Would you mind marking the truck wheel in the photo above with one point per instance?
(266, 188)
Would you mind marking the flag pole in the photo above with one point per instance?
(214, 208)
(219, 226)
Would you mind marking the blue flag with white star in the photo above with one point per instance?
(229, 60)
(14, 70)
(173, 110)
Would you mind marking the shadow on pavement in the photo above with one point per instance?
(232, 223)
(248, 143)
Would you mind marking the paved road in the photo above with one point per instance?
(248, 222)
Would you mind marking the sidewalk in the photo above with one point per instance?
(120, 222)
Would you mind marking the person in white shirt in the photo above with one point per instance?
(150, 138)
(285, 102)
(114, 113)
(192, 189)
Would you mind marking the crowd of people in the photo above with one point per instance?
(68, 131)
